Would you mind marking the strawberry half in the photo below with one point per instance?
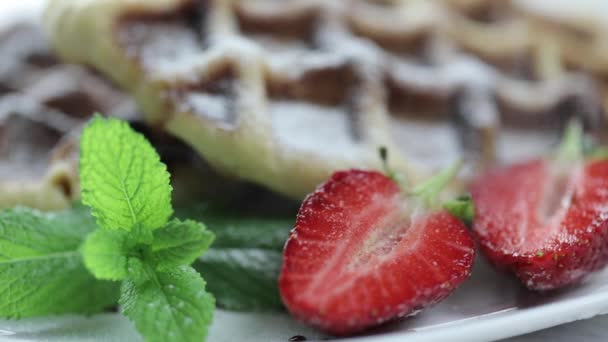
(545, 220)
(362, 253)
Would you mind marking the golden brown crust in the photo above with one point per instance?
(103, 34)
(240, 79)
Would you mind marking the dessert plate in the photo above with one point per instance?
(487, 307)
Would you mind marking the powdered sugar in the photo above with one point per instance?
(303, 126)
(413, 137)
(160, 45)
(582, 12)
(215, 107)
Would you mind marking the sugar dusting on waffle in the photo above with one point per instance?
(43, 103)
(280, 91)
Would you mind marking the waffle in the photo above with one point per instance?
(282, 93)
(42, 106)
(577, 29)
(485, 64)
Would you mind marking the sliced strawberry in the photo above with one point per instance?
(545, 220)
(361, 255)
(549, 229)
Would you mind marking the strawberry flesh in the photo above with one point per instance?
(358, 257)
(545, 223)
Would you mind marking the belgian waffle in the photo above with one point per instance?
(42, 105)
(282, 93)
(485, 63)
(577, 29)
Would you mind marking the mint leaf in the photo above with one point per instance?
(266, 233)
(179, 243)
(243, 279)
(31, 232)
(237, 230)
(122, 178)
(41, 271)
(105, 254)
(243, 263)
(169, 305)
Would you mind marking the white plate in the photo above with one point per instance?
(487, 307)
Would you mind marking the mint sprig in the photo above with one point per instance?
(66, 263)
(41, 270)
(127, 188)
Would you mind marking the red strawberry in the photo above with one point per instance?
(544, 220)
(361, 255)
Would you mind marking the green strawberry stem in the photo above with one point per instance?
(384, 157)
(428, 192)
(462, 207)
(599, 153)
(571, 147)
(389, 172)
